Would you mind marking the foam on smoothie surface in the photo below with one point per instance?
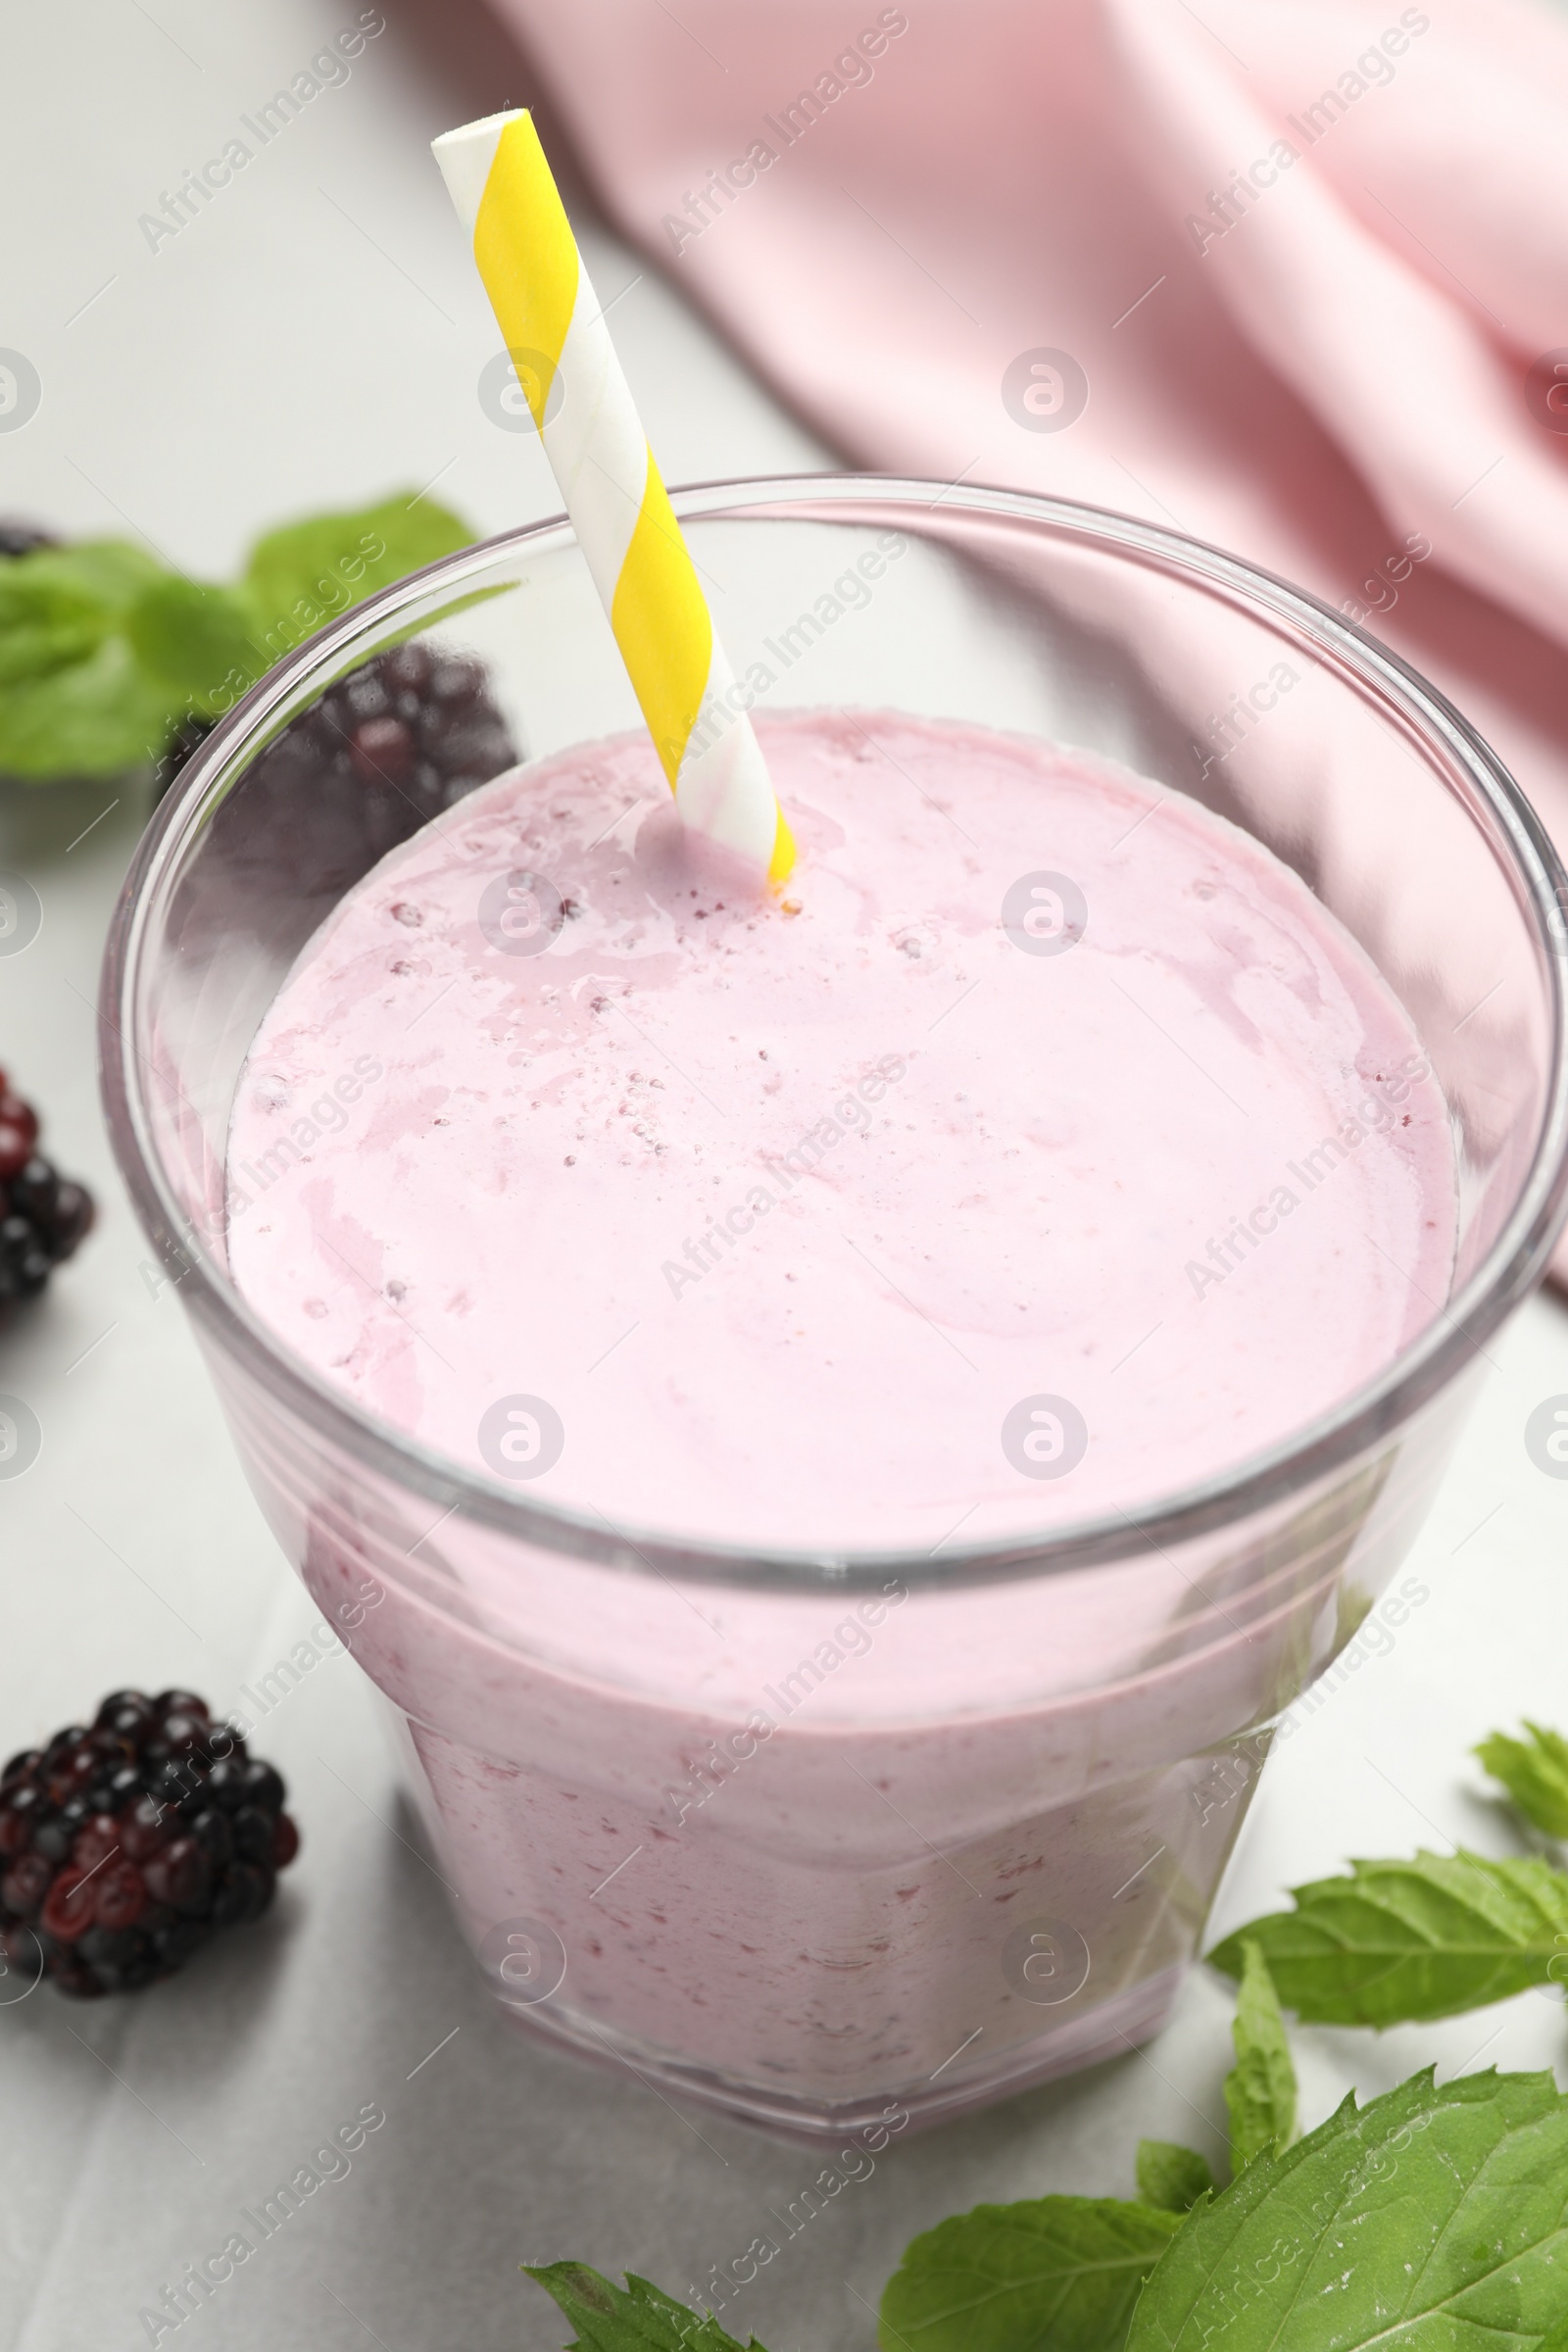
(783, 1212)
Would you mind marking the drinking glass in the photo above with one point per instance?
(980, 1850)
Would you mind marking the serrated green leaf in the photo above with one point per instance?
(1260, 2088)
(198, 641)
(112, 571)
(301, 575)
(97, 718)
(1428, 2220)
(46, 624)
(102, 650)
(1172, 2177)
(1052, 2273)
(1399, 1942)
(636, 2317)
(1535, 1773)
(58, 604)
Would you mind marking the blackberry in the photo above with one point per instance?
(251, 1834)
(263, 1786)
(213, 1832)
(173, 1783)
(180, 1939)
(129, 1715)
(20, 538)
(25, 1809)
(125, 1844)
(246, 1891)
(227, 1784)
(116, 1790)
(181, 1702)
(383, 751)
(122, 1959)
(42, 1215)
(54, 1835)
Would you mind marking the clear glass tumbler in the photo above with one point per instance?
(985, 1857)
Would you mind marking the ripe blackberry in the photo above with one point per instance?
(383, 751)
(20, 538)
(42, 1217)
(126, 1843)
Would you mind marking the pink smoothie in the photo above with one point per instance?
(938, 1201)
(784, 1210)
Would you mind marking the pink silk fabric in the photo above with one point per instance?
(1311, 257)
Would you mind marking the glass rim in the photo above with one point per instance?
(1296, 1464)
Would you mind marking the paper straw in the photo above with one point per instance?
(498, 178)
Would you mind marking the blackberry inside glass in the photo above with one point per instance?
(384, 751)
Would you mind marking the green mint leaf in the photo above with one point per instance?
(1260, 2088)
(197, 641)
(1428, 2219)
(46, 623)
(58, 604)
(1172, 2177)
(1400, 1943)
(1054, 2274)
(97, 718)
(111, 570)
(300, 576)
(1535, 1773)
(635, 2317)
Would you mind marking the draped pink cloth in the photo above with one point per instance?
(1311, 257)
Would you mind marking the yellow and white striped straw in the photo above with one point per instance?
(506, 196)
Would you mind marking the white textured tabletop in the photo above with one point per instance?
(311, 340)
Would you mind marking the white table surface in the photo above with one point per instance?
(315, 339)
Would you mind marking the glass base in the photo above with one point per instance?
(1109, 2030)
